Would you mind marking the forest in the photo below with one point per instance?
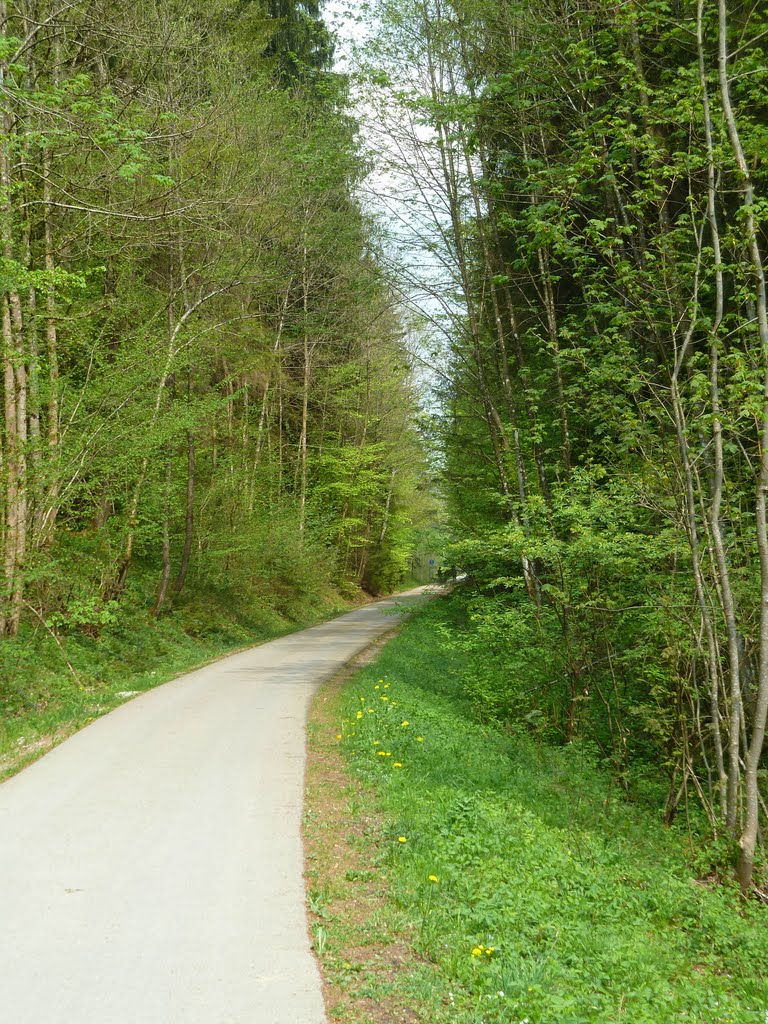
(586, 182)
(215, 351)
(205, 385)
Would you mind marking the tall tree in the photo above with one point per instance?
(590, 184)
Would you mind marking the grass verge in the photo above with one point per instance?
(363, 949)
(461, 873)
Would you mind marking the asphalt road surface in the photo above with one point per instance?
(151, 866)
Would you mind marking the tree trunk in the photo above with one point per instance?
(189, 520)
(728, 782)
(165, 575)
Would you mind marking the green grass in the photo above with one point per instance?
(43, 699)
(555, 902)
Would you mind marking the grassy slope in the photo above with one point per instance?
(42, 700)
(555, 901)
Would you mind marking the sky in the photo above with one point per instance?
(389, 196)
(350, 27)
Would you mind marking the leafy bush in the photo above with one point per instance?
(605, 653)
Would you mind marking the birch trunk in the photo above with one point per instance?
(728, 781)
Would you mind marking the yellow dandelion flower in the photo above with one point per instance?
(359, 714)
(397, 764)
(388, 754)
(433, 878)
(370, 711)
(338, 735)
(377, 743)
(402, 839)
(376, 686)
(381, 753)
(393, 703)
(405, 724)
(477, 951)
(419, 739)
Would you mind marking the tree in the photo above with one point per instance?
(589, 183)
(187, 293)
(301, 44)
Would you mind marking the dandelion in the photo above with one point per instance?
(397, 764)
(376, 686)
(393, 703)
(386, 686)
(377, 743)
(402, 839)
(433, 878)
(490, 951)
(388, 754)
(419, 739)
(383, 698)
(370, 711)
(405, 724)
(338, 735)
(359, 714)
(381, 753)
(478, 951)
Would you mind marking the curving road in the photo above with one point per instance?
(151, 866)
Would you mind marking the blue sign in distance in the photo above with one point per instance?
(431, 561)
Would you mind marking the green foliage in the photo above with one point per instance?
(594, 659)
(205, 384)
(90, 613)
(587, 181)
(301, 42)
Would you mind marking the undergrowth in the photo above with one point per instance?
(523, 876)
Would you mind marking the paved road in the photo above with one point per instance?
(151, 866)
